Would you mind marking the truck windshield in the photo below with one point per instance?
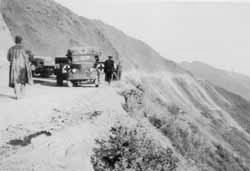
(83, 58)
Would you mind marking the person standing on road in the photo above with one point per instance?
(96, 66)
(119, 70)
(30, 61)
(19, 68)
(109, 69)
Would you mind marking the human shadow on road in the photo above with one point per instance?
(3, 96)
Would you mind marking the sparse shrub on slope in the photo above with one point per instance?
(156, 122)
(174, 109)
(130, 149)
(191, 144)
(133, 99)
(187, 136)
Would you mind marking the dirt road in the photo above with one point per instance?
(54, 128)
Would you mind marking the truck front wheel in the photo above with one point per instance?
(59, 81)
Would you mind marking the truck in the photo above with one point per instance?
(77, 67)
(42, 66)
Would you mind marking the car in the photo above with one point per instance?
(78, 67)
(42, 66)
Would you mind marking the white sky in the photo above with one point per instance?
(217, 33)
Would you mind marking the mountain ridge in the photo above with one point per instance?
(234, 82)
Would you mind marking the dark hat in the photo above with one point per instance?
(110, 57)
(18, 39)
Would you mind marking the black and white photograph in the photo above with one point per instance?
(124, 85)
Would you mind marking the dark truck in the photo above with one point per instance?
(78, 67)
(42, 66)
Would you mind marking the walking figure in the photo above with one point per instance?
(19, 74)
(109, 69)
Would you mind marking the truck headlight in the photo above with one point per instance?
(74, 70)
(92, 69)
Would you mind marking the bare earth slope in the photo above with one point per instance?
(5, 39)
(135, 52)
(237, 83)
(54, 128)
(205, 124)
(50, 29)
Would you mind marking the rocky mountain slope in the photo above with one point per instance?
(135, 52)
(231, 81)
(162, 120)
(5, 39)
(50, 29)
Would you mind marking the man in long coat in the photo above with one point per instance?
(109, 68)
(19, 74)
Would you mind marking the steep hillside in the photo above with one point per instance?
(136, 52)
(50, 29)
(5, 39)
(237, 83)
(207, 125)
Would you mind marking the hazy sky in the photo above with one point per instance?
(217, 32)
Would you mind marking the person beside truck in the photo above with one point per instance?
(109, 68)
(98, 67)
(119, 71)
